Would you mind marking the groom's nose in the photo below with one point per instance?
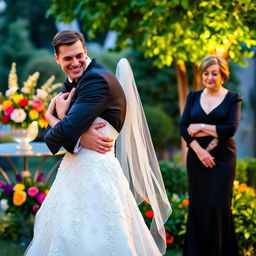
(75, 61)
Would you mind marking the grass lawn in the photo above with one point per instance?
(12, 249)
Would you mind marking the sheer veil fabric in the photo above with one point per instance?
(136, 154)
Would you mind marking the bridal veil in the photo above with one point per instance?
(136, 154)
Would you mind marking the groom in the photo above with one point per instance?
(90, 91)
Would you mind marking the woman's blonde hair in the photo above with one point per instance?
(213, 60)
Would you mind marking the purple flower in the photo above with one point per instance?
(1, 184)
(7, 189)
(40, 177)
(18, 178)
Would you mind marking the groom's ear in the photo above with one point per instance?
(56, 58)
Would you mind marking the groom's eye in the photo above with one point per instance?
(79, 56)
(67, 58)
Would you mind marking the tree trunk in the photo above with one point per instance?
(196, 78)
(182, 80)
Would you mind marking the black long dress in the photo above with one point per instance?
(210, 230)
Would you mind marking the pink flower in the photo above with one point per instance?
(37, 105)
(35, 208)
(33, 191)
(8, 110)
(40, 198)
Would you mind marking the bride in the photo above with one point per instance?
(91, 209)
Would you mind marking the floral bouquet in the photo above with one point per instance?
(19, 107)
(19, 203)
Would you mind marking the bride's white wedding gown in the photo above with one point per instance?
(90, 210)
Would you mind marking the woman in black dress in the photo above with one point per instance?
(208, 124)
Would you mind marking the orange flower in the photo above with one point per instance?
(169, 238)
(185, 202)
(242, 187)
(6, 104)
(19, 197)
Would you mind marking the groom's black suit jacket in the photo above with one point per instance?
(98, 94)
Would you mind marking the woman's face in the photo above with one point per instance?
(211, 77)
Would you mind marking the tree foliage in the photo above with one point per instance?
(180, 30)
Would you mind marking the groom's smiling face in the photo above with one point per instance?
(72, 59)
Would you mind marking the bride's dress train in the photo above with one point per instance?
(90, 210)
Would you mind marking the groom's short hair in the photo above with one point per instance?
(66, 37)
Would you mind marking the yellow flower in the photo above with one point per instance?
(33, 114)
(19, 187)
(19, 197)
(13, 78)
(17, 97)
(6, 104)
(43, 123)
(46, 191)
(26, 174)
(236, 184)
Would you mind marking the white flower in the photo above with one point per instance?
(11, 91)
(4, 204)
(18, 115)
(175, 197)
(41, 94)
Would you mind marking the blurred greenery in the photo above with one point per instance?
(46, 66)
(160, 126)
(174, 176)
(246, 171)
(11, 249)
(24, 31)
(34, 13)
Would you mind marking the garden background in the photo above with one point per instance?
(164, 42)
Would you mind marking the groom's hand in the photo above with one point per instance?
(63, 102)
(93, 140)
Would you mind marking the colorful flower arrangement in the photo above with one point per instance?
(21, 106)
(19, 203)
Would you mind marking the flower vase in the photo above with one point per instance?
(23, 136)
